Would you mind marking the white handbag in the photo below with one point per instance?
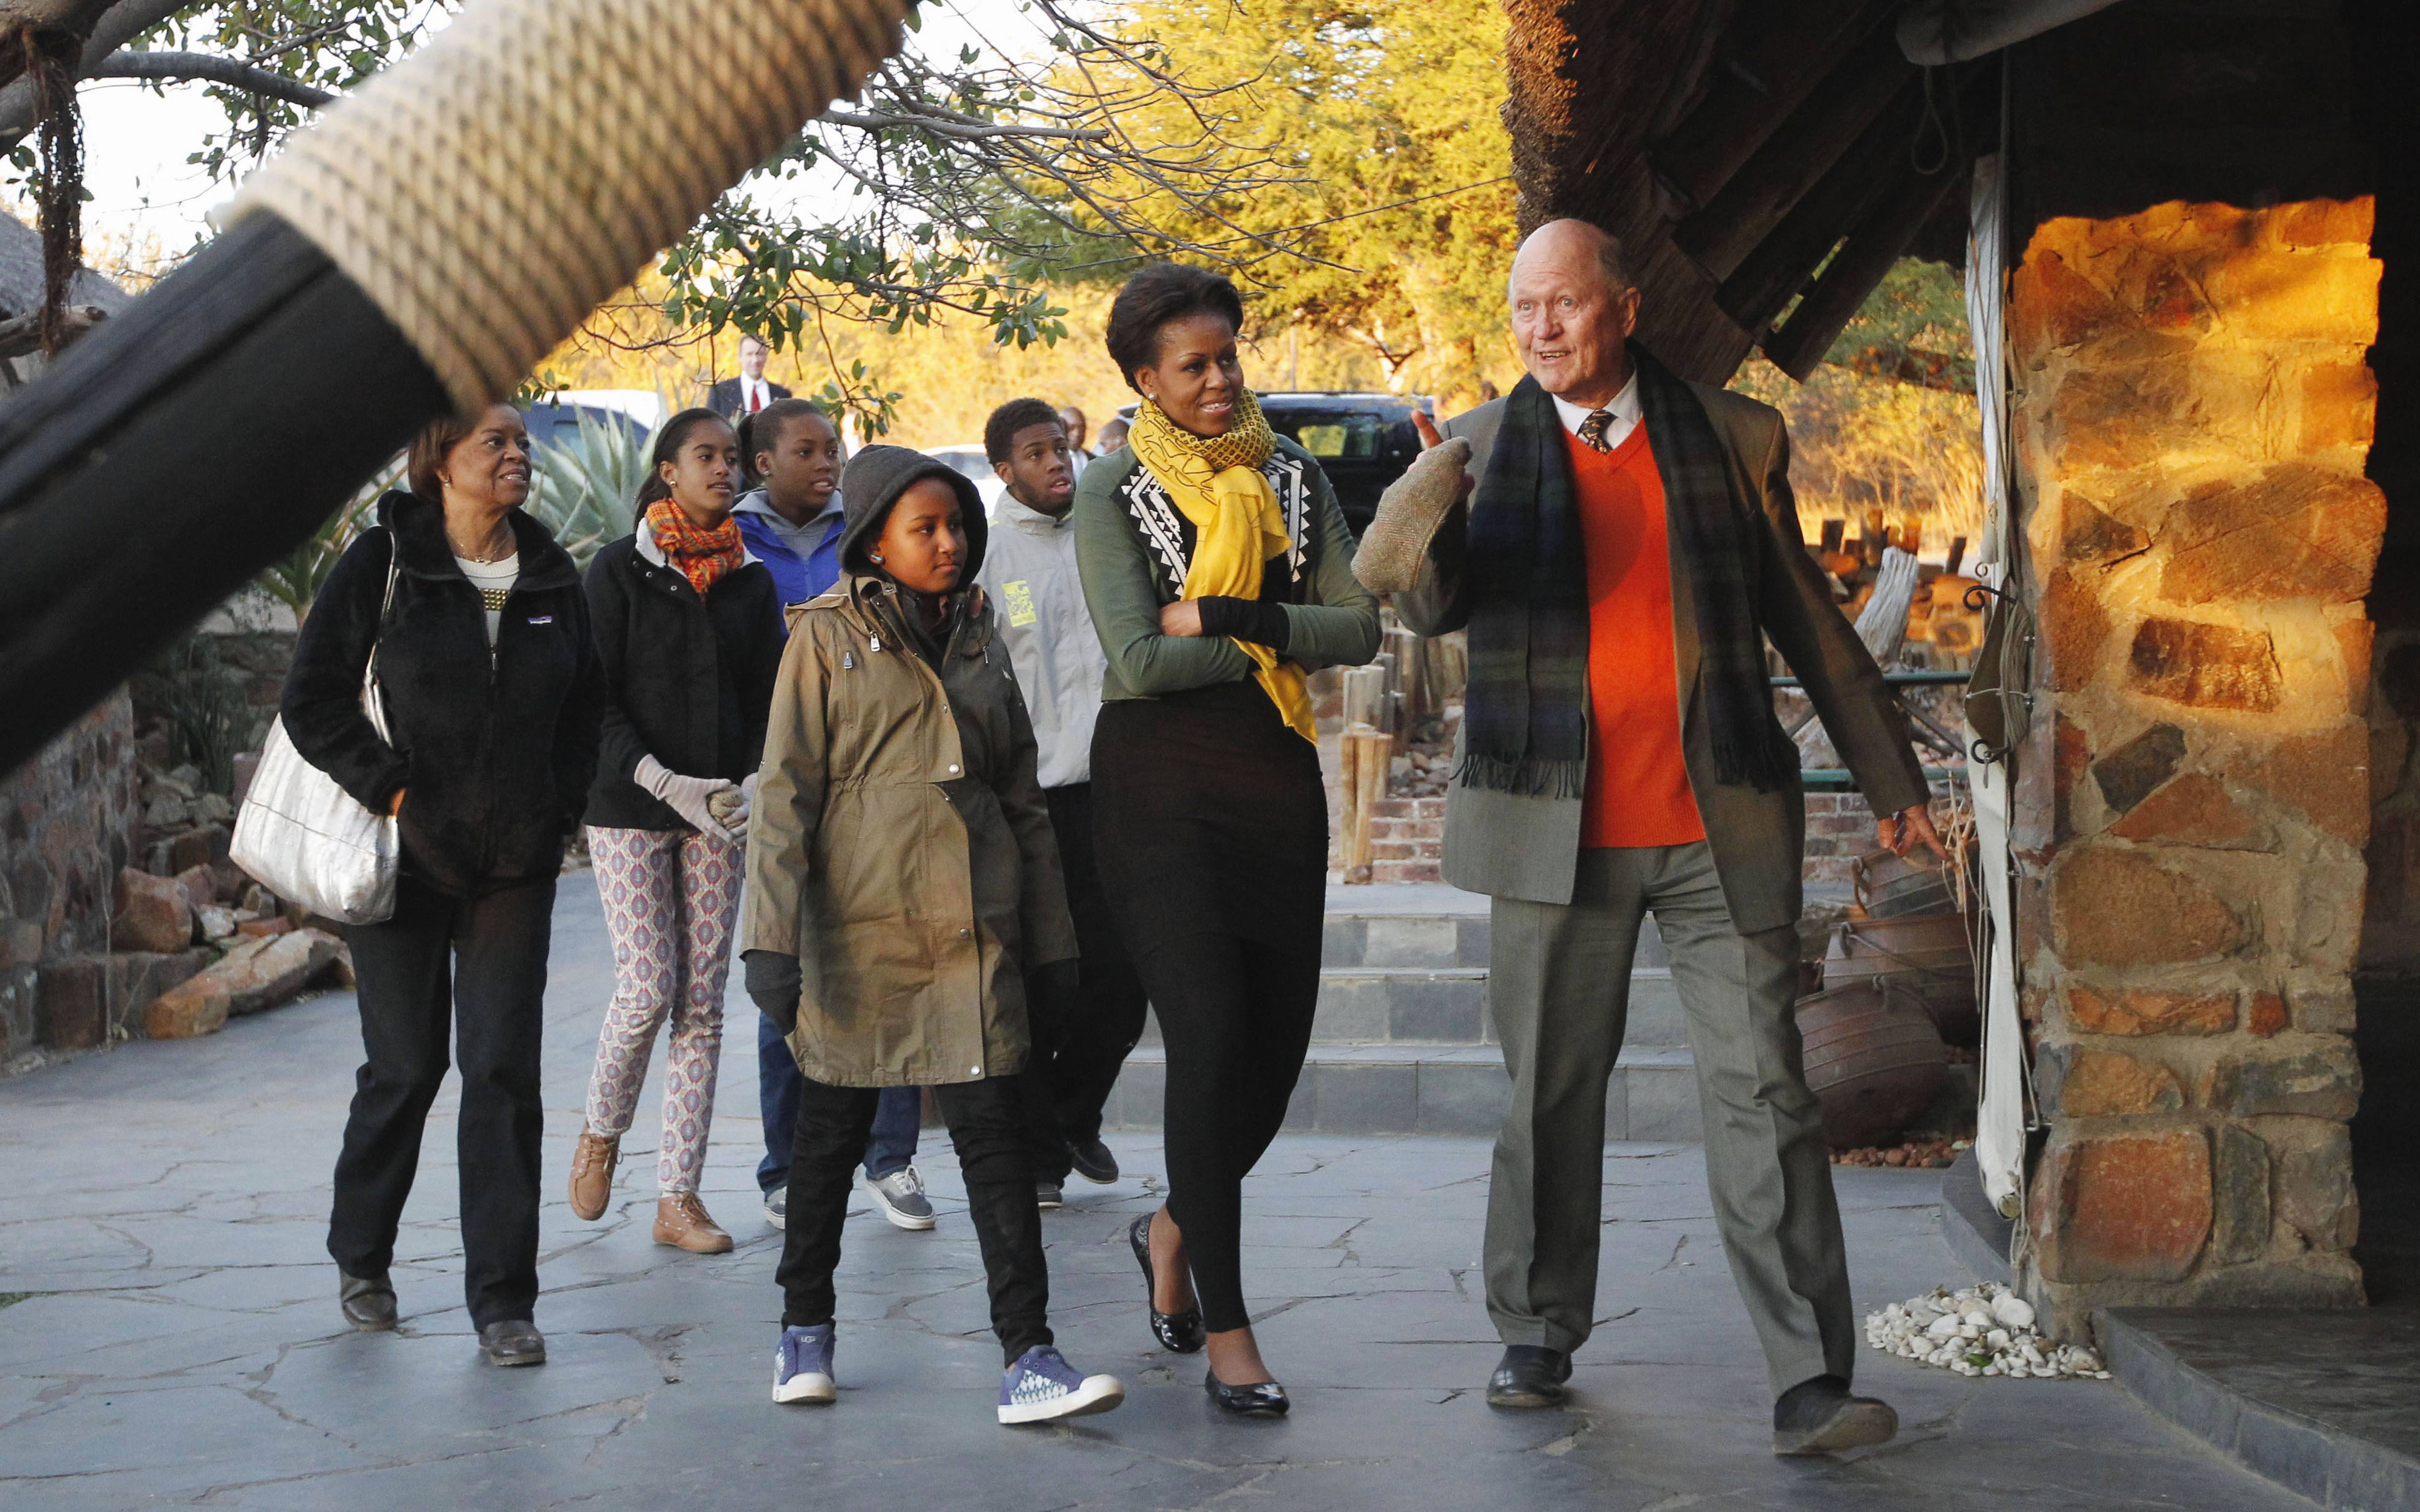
(309, 841)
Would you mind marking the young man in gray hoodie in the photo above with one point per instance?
(1029, 572)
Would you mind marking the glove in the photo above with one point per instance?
(687, 796)
(1409, 514)
(734, 807)
(774, 982)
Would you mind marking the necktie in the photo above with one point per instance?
(1592, 431)
(756, 403)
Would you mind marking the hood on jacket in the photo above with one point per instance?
(421, 549)
(872, 483)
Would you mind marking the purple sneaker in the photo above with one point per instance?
(802, 1367)
(1042, 1387)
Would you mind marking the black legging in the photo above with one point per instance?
(1213, 845)
(1236, 1017)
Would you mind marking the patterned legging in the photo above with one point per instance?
(670, 898)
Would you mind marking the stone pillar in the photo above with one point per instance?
(66, 825)
(2192, 411)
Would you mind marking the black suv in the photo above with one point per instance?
(1363, 441)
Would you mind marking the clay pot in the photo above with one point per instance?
(1927, 957)
(1891, 887)
(1873, 1060)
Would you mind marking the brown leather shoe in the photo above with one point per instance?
(592, 1173)
(681, 1220)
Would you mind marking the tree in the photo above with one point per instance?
(972, 158)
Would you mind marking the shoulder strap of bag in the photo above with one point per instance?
(373, 701)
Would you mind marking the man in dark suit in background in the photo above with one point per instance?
(749, 393)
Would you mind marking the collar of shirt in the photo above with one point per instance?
(1624, 410)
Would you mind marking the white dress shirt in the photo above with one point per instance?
(755, 394)
(1624, 410)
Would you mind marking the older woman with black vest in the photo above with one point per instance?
(1219, 572)
(688, 626)
(492, 691)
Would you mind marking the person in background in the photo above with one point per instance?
(1113, 435)
(688, 627)
(1072, 420)
(792, 523)
(1219, 573)
(492, 693)
(1030, 573)
(901, 887)
(749, 393)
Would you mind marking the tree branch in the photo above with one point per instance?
(209, 68)
(119, 25)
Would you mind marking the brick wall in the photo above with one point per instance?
(2192, 411)
(67, 823)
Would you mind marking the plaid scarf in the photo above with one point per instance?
(703, 556)
(1525, 720)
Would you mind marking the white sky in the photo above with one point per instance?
(136, 141)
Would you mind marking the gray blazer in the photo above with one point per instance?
(1527, 847)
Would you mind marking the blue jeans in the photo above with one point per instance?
(891, 1148)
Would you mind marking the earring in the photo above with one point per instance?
(876, 556)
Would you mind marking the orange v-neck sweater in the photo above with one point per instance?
(1638, 783)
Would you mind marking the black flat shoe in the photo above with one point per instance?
(1261, 1398)
(1819, 1416)
(1179, 1332)
(369, 1301)
(1529, 1375)
(513, 1341)
(1093, 1160)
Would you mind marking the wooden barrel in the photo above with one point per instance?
(1928, 957)
(1874, 1062)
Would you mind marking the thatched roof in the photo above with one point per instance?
(1734, 147)
(20, 276)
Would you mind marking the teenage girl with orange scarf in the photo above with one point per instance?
(688, 627)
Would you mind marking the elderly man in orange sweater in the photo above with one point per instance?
(1628, 545)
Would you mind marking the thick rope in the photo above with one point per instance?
(495, 187)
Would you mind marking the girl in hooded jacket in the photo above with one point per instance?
(904, 898)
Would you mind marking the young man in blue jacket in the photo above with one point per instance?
(793, 526)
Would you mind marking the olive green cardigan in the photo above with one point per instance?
(1128, 580)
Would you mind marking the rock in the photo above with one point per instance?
(2075, 627)
(201, 885)
(2315, 1191)
(264, 928)
(70, 1003)
(149, 913)
(275, 970)
(2266, 1016)
(213, 808)
(2295, 531)
(215, 922)
(2122, 1206)
(2240, 1187)
(260, 900)
(2103, 1082)
(2093, 539)
(2193, 810)
(2129, 774)
(2116, 908)
(2209, 667)
(2012, 1311)
(186, 1011)
(340, 970)
(138, 978)
(168, 812)
(186, 779)
(2318, 1079)
(2325, 776)
(198, 847)
(2131, 1011)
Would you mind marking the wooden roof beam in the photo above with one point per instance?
(1773, 56)
(1777, 268)
(1817, 134)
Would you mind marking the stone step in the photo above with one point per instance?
(1432, 1089)
(1448, 1007)
(1439, 939)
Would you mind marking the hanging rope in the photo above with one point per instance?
(49, 56)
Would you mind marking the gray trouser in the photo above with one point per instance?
(1559, 991)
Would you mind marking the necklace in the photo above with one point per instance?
(492, 555)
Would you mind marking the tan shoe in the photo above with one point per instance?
(592, 1173)
(681, 1220)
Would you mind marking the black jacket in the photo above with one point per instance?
(688, 680)
(495, 753)
(724, 399)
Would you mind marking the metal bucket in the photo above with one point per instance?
(1890, 886)
(1873, 1061)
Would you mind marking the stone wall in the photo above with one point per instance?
(2192, 411)
(67, 820)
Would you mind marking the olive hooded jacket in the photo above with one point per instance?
(900, 847)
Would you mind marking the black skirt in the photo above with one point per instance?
(1210, 816)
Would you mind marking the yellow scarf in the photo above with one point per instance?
(1217, 484)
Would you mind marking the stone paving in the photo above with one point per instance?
(169, 1336)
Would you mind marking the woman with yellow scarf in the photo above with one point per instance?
(1219, 572)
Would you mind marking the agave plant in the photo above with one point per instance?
(586, 487)
(295, 579)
